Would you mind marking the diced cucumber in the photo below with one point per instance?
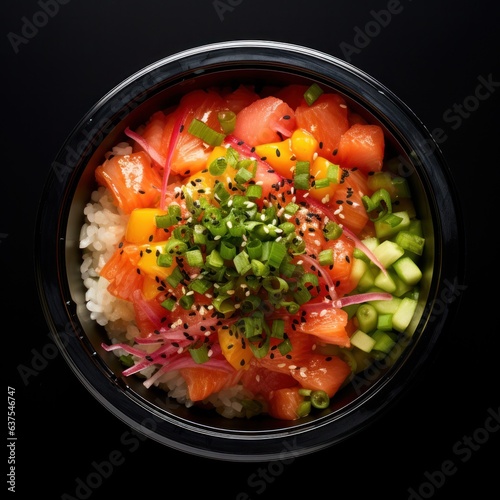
(383, 341)
(384, 230)
(410, 241)
(407, 270)
(401, 188)
(381, 180)
(415, 227)
(367, 317)
(358, 268)
(362, 341)
(404, 313)
(401, 287)
(367, 280)
(386, 306)
(384, 322)
(388, 252)
(371, 243)
(385, 282)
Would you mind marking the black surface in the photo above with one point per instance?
(442, 438)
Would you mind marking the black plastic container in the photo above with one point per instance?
(58, 258)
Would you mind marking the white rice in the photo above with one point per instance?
(102, 231)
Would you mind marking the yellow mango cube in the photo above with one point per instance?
(279, 155)
(141, 225)
(304, 145)
(321, 170)
(147, 263)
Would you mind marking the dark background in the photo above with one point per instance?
(433, 55)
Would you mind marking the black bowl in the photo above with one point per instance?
(58, 257)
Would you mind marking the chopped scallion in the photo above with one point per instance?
(218, 166)
(312, 93)
(201, 130)
(227, 120)
(325, 257)
(301, 176)
(199, 353)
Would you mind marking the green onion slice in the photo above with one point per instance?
(227, 120)
(199, 353)
(201, 130)
(312, 93)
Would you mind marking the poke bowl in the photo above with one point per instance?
(243, 250)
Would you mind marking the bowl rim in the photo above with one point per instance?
(61, 313)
